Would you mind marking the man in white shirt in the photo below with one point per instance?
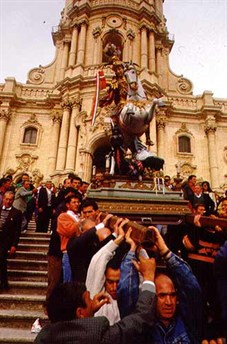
(104, 276)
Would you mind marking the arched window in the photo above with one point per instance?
(113, 37)
(30, 135)
(184, 144)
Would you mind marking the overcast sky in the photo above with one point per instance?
(199, 28)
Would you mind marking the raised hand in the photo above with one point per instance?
(99, 300)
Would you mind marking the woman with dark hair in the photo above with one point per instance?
(207, 189)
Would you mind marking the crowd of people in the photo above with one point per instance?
(102, 287)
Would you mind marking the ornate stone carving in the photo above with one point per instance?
(161, 122)
(225, 154)
(183, 102)
(103, 22)
(56, 116)
(143, 26)
(184, 130)
(131, 34)
(187, 168)
(81, 123)
(32, 121)
(37, 177)
(125, 21)
(25, 161)
(114, 21)
(184, 86)
(83, 21)
(210, 125)
(102, 121)
(66, 104)
(36, 76)
(96, 31)
(5, 115)
(35, 92)
(76, 102)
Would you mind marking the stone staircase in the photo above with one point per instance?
(23, 303)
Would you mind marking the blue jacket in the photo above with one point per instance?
(186, 327)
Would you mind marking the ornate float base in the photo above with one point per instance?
(143, 201)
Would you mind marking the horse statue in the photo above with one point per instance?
(131, 118)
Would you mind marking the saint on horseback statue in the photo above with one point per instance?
(131, 119)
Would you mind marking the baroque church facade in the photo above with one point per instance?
(45, 124)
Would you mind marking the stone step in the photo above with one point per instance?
(18, 318)
(30, 247)
(31, 255)
(34, 240)
(12, 335)
(27, 264)
(33, 234)
(27, 275)
(27, 287)
(24, 302)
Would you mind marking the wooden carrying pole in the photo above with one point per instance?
(208, 222)
(140, 234)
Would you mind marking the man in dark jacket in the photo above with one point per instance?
(45, 202)
(10, 227)
(70, 311)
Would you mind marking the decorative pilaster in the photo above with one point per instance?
(88, 167)
(161, 124)
(4, 119)
(62, 147)
(56, 118)
(210, 129)
(85, 169)
(64, 62)
(74, 40)
(73, 133)
(129, 45)
(96, 34)
(144, 47)
(82, 43)
(151, 60)
(159, 59)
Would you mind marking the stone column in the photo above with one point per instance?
(151, 61)
(72, 142)
(210, 129)
(136, 48)
(144, 47)
(96, 51)
(159, 59)
(82, 43)
(56, 118)
(63, 136)
(72, 54)
(4, 118)
(159, 62)
(85, 168)
(161, 123)
(64, 62)
(130, 38)
(125, 56)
